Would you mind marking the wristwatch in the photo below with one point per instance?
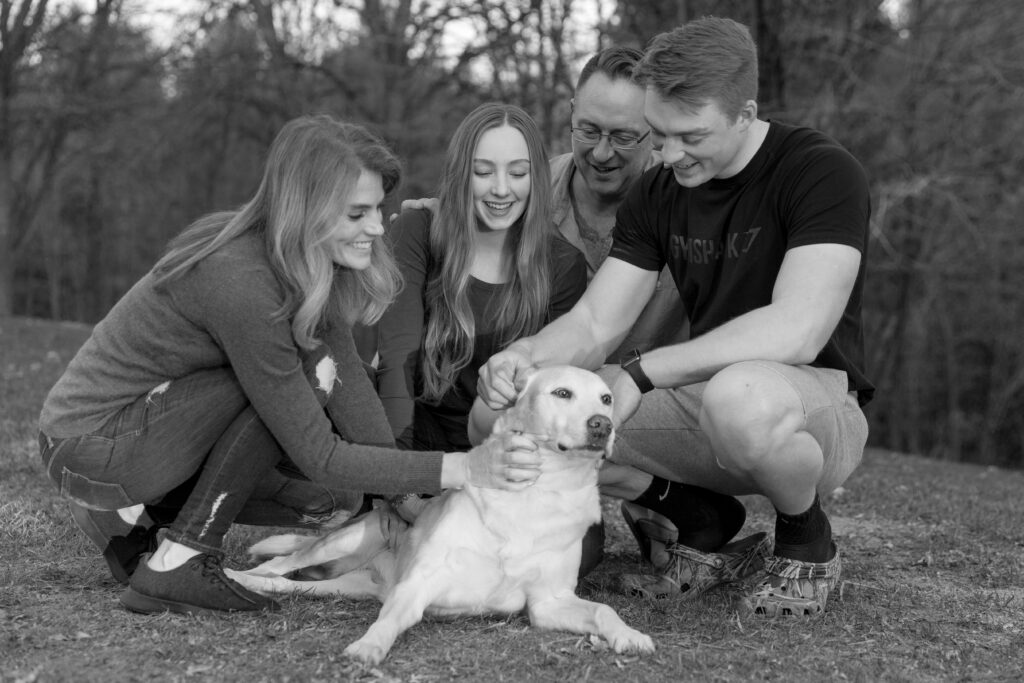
(631, 364)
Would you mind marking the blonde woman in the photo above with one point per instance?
(224, 386)
(482, 270)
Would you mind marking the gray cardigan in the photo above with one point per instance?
(221, 314)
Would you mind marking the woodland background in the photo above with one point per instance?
(114, 136)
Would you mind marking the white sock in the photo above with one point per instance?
(132, 515)
(170, 555)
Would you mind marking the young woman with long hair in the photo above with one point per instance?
(484, 269)
(225, 385)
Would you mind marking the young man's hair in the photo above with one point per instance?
(523, 298)
(312, 169)
(614, 62)
(705, 60)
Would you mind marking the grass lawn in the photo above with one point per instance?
(932, 590)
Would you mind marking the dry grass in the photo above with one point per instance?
(933, 589)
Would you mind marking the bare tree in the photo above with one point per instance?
(637, 21)
(20, 25)
(108, 145)
(949, 200)
(63, 75)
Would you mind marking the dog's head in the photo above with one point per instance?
(569, 406)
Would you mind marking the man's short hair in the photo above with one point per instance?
(708, 59)
(614, 62)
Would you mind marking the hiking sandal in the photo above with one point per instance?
(690, 572)
(795, 588)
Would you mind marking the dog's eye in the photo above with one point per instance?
(562, 392)
(606, 399)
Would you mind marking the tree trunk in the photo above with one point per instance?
(6, 239)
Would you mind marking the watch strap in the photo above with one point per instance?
(631, 364)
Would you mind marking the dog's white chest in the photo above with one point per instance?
(487, 550)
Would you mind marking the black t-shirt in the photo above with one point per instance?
(724, 240)
(415, 423)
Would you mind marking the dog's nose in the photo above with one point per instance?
(599, 428)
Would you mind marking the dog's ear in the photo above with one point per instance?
(523, 378)
(500, 425)
(511, 418)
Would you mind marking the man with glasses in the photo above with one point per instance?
(611, 147)
(764, 226)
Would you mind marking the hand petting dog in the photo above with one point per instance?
(509, 461)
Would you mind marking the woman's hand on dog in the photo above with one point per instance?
(505, 461)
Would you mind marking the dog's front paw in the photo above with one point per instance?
(631, 640)
(238, 576)
(366, 652)
(257, 584)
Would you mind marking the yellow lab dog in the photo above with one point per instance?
(477, 550)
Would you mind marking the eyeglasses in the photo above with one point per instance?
(617, 139)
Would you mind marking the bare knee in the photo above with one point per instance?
(749, 413)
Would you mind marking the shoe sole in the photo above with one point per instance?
(119, 573)
(800, 608)
(137, 602)
(101, 540)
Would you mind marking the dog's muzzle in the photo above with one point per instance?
(599, 428)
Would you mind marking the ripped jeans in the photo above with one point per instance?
(196, 454)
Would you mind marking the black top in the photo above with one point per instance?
(415, 423)
(724, 240)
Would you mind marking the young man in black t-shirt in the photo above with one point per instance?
(764, 227)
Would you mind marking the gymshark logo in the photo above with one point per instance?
(694, 250)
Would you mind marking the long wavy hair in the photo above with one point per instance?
(312, 169)
(523, 298)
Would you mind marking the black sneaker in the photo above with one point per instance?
(197, 587)
(120, 541)
(123, 553)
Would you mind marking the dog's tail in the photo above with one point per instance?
(282, 544)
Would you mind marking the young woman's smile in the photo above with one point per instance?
(501, 178)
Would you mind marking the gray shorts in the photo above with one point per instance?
(664, 437)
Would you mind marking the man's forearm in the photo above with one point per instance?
(761, 334)
(569, 340)
(809, 298)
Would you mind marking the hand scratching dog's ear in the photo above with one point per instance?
(522, 378)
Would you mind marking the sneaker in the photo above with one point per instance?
(653, 533)
(690, 572)
(124, 553)
(199, 586)
(121, 535)
(795, 588)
